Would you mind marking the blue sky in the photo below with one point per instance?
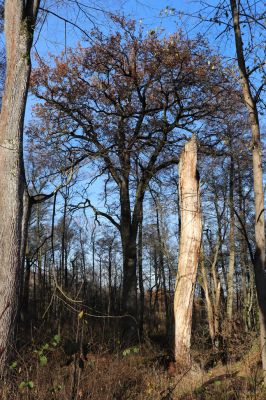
(55, 34)
(150, 13)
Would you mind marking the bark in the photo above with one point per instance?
(231, 268)
(212, 297)
(27, 206)
(110, 294)
(64, 271)
(129, 290)
(100, 289)
(128, 232)
(93, 259)
(19, 28)
(129, 273)
(189, 250)
(162, 266)
(26, 289)
(141, 284)
(259, 259)
(209, 305)
(247, 274)
(24, 273)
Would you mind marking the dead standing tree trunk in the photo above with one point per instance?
(19, 28)
(189, 250)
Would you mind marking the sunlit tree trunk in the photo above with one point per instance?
(212, 296)
(27, 206)
(259, 259)
(189, 250)
(231, 268)
(247, 273)
(19, 28)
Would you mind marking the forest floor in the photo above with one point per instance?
(142, 372)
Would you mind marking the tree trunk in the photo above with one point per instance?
(110, 297)
(129, 290)
(27, 207)
(129, 247)
(259, 259)
(19, 28)
(26, 290)
(64, 272)
(162, 267)
(247, 273)
(231, 268)
(141, 284)
(189, 250)
(212, 297)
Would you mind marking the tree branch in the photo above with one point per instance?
(87, 204)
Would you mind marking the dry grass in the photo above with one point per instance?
(142, 375)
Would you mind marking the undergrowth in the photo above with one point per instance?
(61, 369)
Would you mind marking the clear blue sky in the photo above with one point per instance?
(147, 12)
(54, 34)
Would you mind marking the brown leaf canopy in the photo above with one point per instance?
(130, 95)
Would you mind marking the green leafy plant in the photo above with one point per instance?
(56, 340)
(131, 350)
(56, 389)
(13, 365)
(43, 360)
(26, 384)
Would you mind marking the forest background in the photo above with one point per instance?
(81, 308)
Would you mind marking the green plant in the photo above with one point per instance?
(13, 365)
(56, 389)
(43, 360)
(26, 384)
(130, 350)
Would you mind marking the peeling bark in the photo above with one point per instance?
(189, 250)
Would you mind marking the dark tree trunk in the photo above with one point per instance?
(128, 233)
(129, 290)
(26, 291)
(141, 285)
(110, 299)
